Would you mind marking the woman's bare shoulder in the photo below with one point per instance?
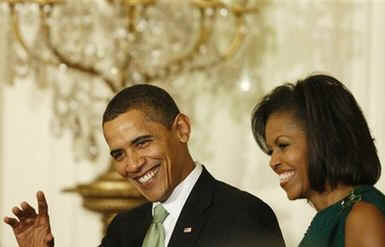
(365, 226)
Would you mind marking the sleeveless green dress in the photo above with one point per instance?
(327, 228)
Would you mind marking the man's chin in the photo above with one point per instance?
(158, 198)
(152, 197)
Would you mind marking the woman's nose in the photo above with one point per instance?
(274, 160)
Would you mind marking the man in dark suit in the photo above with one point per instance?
(215, 214)
(148, 136)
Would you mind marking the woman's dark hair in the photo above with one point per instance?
(341, 149)
(155, 102)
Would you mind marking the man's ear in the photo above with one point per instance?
(182, 127)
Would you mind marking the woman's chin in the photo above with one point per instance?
(291, 196)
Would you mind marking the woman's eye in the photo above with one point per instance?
(283, 145)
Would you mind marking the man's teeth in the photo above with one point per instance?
(146, 177)
(284, 177)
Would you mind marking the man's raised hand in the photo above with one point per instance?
(32, 229)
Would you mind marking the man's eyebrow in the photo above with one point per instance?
(140, 139)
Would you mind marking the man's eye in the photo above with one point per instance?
(143, 143)
(118, 156)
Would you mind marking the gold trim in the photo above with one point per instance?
(108, 194)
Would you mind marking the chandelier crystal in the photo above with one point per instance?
(87, 50)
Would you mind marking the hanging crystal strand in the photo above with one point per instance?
(15, 56)
(6, 68)
(92, 148)
(40, 69)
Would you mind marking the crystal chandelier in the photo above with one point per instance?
(87, 50)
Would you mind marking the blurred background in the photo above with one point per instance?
(62, 60)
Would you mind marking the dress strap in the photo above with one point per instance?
(351, 199)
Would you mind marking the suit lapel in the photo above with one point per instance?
(193, 218)
(142, 223)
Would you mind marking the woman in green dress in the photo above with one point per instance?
(321, 148)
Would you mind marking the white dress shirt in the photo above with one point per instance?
(177, 199)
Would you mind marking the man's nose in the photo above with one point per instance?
(134, 162)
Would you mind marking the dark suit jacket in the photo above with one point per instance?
(217, 213)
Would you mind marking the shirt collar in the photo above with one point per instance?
(178, 197)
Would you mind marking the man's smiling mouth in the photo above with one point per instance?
(148, 175)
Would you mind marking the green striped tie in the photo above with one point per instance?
(156, 234)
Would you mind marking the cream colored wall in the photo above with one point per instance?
(376, 75)
(31, 159)
(2, 170)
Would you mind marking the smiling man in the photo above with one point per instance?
(148, 138)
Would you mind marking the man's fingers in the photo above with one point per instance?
(11, 221)
(20, 214)
(42, 203)
(29, 211)
(50, 240)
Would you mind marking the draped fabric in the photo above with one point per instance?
(342, 38)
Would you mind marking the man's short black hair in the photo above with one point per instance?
(155, 102)
(341, 149)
